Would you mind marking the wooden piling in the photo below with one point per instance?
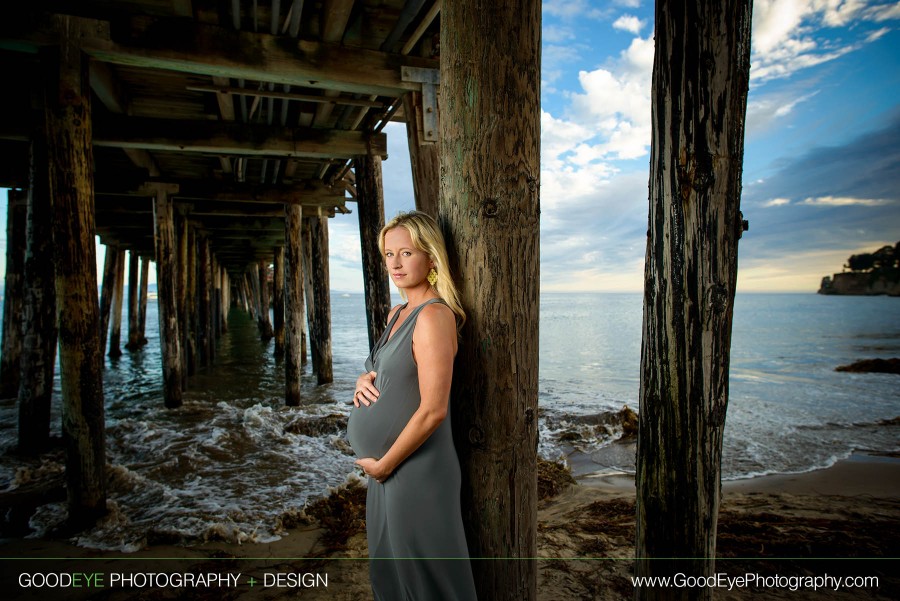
(39, 302)
(370, 204)
(226, 298)
(14, 294)
(265, 325)
(216, 304)
(294, 312)
(142, 308)
(278, 300)
(424, 157)
(489, 205)
(320, 327)
(191, 305)
(204, 335)
(182, 264)
(78, 313)
(701, 75)
(115, 332)
(242, 293)
(308, 290)
(108, 292)
(134, 334)
(166, 283)
(38, 326)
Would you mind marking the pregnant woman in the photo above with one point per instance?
(400, 426)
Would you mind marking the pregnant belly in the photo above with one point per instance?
(372, 430)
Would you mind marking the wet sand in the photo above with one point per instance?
(842, 521)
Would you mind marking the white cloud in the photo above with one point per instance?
(616, 104)
(554, 59)
(844, 201)
(883, 12)
(571, 9)
(777, 202)
(878, 34)
(788, 35)
(629, 23)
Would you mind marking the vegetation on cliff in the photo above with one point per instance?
(867, 273)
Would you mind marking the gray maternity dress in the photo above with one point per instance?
(417, 546)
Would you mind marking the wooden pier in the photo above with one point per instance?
(216, 138)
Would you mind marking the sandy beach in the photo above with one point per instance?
(843, 521)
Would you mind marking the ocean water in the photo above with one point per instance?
(233, 463)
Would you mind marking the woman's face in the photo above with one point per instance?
(407, 265)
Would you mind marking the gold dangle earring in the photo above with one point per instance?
(432, 276)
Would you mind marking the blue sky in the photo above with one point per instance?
(822, 155)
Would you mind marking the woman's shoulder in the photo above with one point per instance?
(437, 316)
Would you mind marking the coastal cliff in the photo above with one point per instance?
(870, 274)
(863, 284)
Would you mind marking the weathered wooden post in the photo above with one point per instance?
(183, 281)
(39, 327)
(700, 80)
(108, 291)
(489, 206)
(115, 332)
(424, 157)
(14, 294)
(204, 336)
(216, 325)
(142, 309)
(278, 299)
(191, 308)
(320, 327)
(166, 283)
(71, 163)
(370, 205)
(265, 326)
(248, 292)
(242, 293)
(294, 338)
(134, 334)
(226, 298)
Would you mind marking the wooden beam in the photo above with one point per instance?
(311, 192)
(106, 85)
(216, 51)
(225, 92)
(218, 138)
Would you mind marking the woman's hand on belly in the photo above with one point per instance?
(374, 468)
(366, 393)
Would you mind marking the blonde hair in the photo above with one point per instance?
(426, 236)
